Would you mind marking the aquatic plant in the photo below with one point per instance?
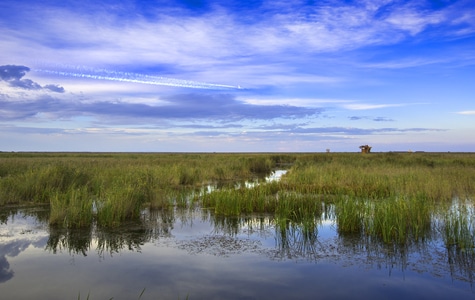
(458, 226)
(72, 208)
(393, 220)
(374, 194)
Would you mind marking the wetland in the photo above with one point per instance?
(237, 226)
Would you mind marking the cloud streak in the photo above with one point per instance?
(135, 78)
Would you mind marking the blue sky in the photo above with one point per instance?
(237, 76)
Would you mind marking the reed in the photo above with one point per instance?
(120, 201)
(349, 215)
(72, 208)
(393, 220)
(439, 177)
(120, 184)
(458, 227)
(373, 194)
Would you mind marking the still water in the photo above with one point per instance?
(193, 254)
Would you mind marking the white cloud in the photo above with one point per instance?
(302, 102)
(192, 40)
(219, 44)
(466, 112)
(364, 106)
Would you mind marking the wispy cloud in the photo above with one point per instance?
(216, 36)
(101, 74)
(466, 112)
(365, 106)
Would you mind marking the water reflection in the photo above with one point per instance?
(199, 231)
(10, 249)
(263, 178)
(462, 264)
(16, 239)
(105, 240)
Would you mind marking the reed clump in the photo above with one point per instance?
(236, 201)
(458, 226)
(393, 220)
(72, 208)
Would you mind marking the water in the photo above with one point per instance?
(192, 253)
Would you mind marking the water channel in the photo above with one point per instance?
(193, 254)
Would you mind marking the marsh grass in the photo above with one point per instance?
(391, 196)
(112, 188)
(72, 208)
(458, 226)
(435, 176)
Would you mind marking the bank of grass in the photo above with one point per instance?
(115, 187)
(436, 176)
(391, 196)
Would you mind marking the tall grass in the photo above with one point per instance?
(235, 201)
(118, 185)
(458, 226)
(434, 176)
(389, 195)
(72, 208)
(393, 220)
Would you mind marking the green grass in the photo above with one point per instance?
(119, 185)
(393, 197)
(458, 226)
(393, 220)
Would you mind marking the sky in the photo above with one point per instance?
(237, 76)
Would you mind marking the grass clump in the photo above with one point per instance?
(458, 227)
(393, 220)
(72, 208)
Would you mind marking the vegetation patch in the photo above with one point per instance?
(395, 197)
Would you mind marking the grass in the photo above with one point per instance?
(393, 220)
(113, 188)
(389, 196)
(458, 226)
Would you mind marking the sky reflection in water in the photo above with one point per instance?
(192, 253)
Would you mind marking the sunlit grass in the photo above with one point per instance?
(118, 185)
(391, 196)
